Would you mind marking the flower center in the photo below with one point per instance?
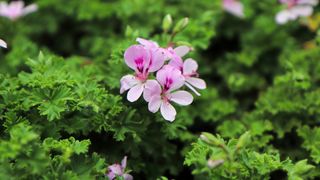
(139, 63)
(167, 84)
(193, 74)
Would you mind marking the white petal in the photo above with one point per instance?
(189, 66)
(30, 9)
(127, 177)
(283, 17)
(183, 98)
(192, 88)
(234, 7)
(196, 82)
(154, 104)
(302, 10)
(124, 162)
(182, 50)
(157, 60)
(3, 44)
(308, 2)
(151, 88)
(147, 43)
(167, 111)
(127, 82)
(135, 92)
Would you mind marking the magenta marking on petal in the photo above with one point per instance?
(193, 74)
(167, 84)
(139, 63)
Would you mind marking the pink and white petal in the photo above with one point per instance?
(162, 75)
(178, 80)
(135, 52)
(124, 162)
(283, 17)
(147, 43)
(15, 9)
(308, 2)
(3, 6)
(127, 82)
(154, 103)
(3, 43)
(234, 7)
(17, 5)
(182, 50)
(192, 88)
(197, 82)
(151, 88)
(135, 92)
(302, 10)
(157, 60)
(167, 111)
(111, 175)
(183, 98)
(116, 169)
(30, 9)
(127, 177)
(176, 62)
(190, 66)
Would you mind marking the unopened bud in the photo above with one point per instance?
(243, 140)
(204, 138)
(215, 163)
(181, 25)
(167, 23)
(128, 31)
(210, 139)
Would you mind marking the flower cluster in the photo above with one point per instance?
(16, 9)
(171, 72)
(118, 170)
(234, 7)
(3, 43)
(295, 9)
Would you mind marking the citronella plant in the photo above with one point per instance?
(87, 89)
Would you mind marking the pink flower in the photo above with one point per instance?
(234, 7)
(16, 9)
(147, 43)
(176, 53)
(116, 170)
(158, 97)
(295, 9)
(189, 69)
(3, 43)
(142, 61)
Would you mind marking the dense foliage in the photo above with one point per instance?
(62, 116)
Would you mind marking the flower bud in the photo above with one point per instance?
(181, 25)
(243, 140)
(210, 139)
(214, 163)
(129, 31)
(167, 23)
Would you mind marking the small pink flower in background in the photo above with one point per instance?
(158, 97)
(295, 9)
(142, 61)
(234, 7)
(3, 43)
(16, 9)
(116, 170)
(189, 70)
